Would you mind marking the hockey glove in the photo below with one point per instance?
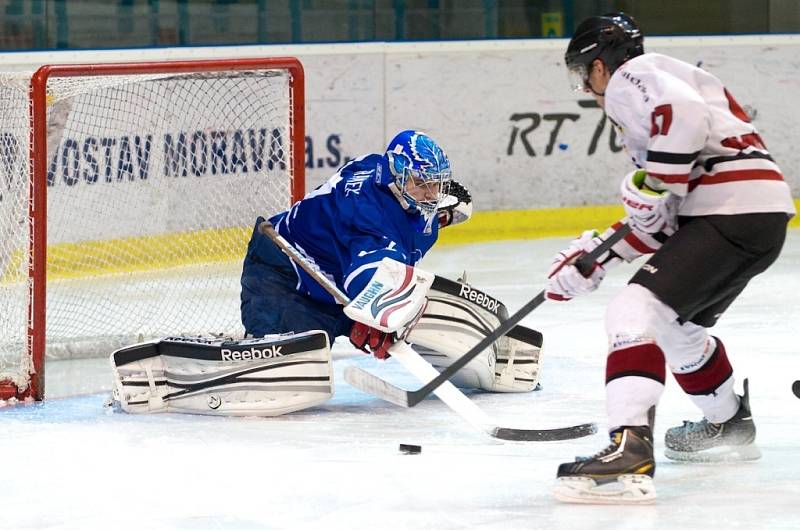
(371, 341)
(456, 207)
(648, 210)
(564, 281)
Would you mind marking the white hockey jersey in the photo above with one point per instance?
(683, 127)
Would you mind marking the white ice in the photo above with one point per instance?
(71, 463)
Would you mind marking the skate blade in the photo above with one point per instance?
(725, 453)
(627, 489)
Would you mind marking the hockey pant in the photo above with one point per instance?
(271, 303)
(662, 315)
(643, 334)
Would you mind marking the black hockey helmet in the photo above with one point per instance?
(630, 26)
(612, 38)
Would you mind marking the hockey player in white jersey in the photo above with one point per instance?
(710, 206)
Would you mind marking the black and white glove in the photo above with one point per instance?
(649, 211)
(456, 207)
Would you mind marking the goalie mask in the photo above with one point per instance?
(420, 173)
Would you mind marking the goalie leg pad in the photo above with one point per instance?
(455, 319)
(269, 376)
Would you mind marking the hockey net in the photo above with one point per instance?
(128, 193)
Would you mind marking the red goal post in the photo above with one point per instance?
(134, 168)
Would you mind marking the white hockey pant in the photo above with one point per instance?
(643, 333)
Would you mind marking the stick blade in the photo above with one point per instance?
(374, 385)
(543, 435)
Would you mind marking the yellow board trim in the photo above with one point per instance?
(534, 224)
(136, 254)
(78, 260)
(530, 224)
(72, 260)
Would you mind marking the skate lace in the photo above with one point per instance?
(701, 429)
(608, 450)
(613, 446)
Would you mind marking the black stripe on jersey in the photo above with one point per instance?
(755, 155)
(663, 157)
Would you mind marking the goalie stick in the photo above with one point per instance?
(420, 368)
(409, 398)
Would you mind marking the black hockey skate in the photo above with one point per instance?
(703, 441)
(622, 473)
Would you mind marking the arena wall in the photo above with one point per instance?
(539, 159)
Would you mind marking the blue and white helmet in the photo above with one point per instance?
(413, 155)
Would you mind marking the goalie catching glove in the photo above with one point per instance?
(456, 207)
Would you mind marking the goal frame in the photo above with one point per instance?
(37, 208)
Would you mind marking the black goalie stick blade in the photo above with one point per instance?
(544, 435)
(374, 385)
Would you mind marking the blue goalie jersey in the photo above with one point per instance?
(349, 224)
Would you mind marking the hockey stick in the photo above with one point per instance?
(421, 369)
(407, 398)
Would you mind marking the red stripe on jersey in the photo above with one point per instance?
(736, 176)
(716, 370)
(670, 179)
(642, 360)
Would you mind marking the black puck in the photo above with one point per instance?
(409, 449)
(796, 388)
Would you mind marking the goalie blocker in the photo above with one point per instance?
(443, 320)
(455, 319)
(268, 376)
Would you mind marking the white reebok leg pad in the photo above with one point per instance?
(255, 377)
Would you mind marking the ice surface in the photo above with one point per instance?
(71, 463)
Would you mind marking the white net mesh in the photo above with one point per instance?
(154, 184)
